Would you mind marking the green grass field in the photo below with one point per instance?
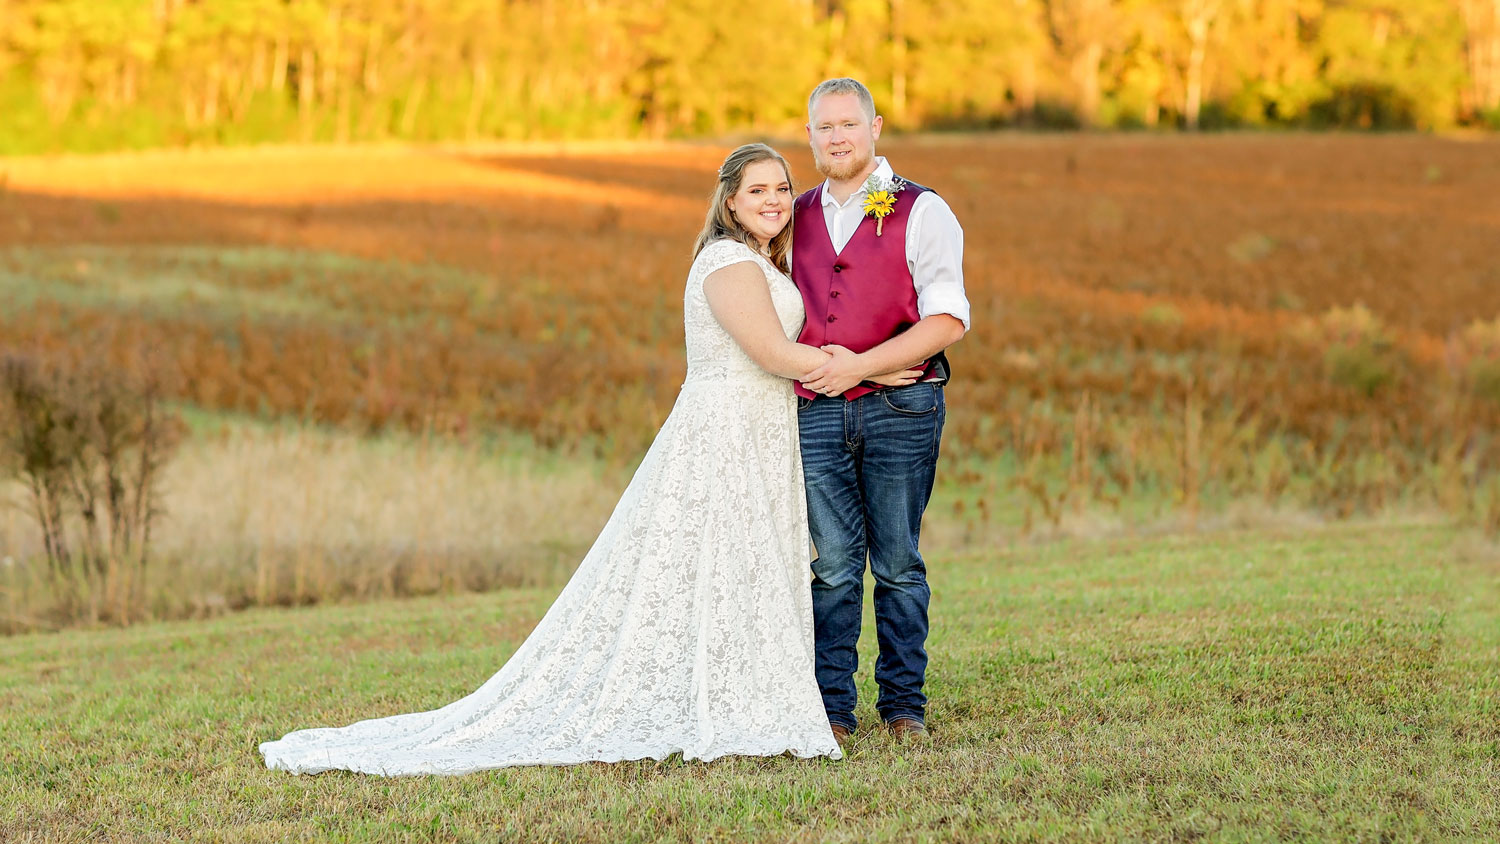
(1338, 684)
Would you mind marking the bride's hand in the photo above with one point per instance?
(897, 379)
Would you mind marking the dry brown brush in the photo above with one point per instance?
(88, 443)
(1307, 321)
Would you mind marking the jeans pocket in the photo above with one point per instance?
(803, 402)
(912, 400)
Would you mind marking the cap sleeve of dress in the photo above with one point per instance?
(720, 254)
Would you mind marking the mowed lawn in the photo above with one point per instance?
(1338, 684)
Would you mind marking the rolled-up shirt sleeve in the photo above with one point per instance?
(935, 255)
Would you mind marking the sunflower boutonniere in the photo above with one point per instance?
(880, 198)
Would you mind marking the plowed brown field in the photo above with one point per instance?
(1172, 306)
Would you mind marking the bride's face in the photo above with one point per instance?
(763, 204)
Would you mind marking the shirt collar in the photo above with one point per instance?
(883, 172)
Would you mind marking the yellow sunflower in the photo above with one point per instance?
(879, 203)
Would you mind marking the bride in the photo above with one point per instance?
(687, 628)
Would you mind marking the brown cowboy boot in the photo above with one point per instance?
(905, 729)
(841, 733)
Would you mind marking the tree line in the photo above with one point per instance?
(101, 74)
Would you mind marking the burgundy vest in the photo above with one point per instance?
(862, 296)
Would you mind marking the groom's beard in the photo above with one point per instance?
(839, 171)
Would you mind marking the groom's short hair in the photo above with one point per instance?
(843, 85)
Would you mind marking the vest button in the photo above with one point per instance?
(838, 268)
(834, 294)
(832, 318)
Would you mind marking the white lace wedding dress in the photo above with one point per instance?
(687, 627)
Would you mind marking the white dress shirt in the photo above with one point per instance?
(934, 245)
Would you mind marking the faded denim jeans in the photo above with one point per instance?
(869, 466)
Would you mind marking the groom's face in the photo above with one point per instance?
(842, 136)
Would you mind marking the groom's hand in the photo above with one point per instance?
(842, 371)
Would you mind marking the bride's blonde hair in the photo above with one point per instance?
(721, 222)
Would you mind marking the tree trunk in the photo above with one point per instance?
(279, 62)
(899, 59)
(331, 64)
(60, 90)
(410, 108)
(369, 69)
(1197, 17)
(345, 111)
(477, 97)
(211, 94)
(306, 89)
(1193, 102)
(1482, 52)
(1086, 74)
(1026, 86)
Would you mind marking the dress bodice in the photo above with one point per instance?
(713, 355)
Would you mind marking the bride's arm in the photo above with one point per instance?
(741, 302)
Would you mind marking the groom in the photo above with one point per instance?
(883, 287)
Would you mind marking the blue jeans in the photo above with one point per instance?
(869, 466)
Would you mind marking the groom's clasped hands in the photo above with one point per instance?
(845, 370)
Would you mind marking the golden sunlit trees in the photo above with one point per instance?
(96, 74)
(701, 70)
(1390, 64)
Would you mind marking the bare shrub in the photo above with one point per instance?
(88, 444)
